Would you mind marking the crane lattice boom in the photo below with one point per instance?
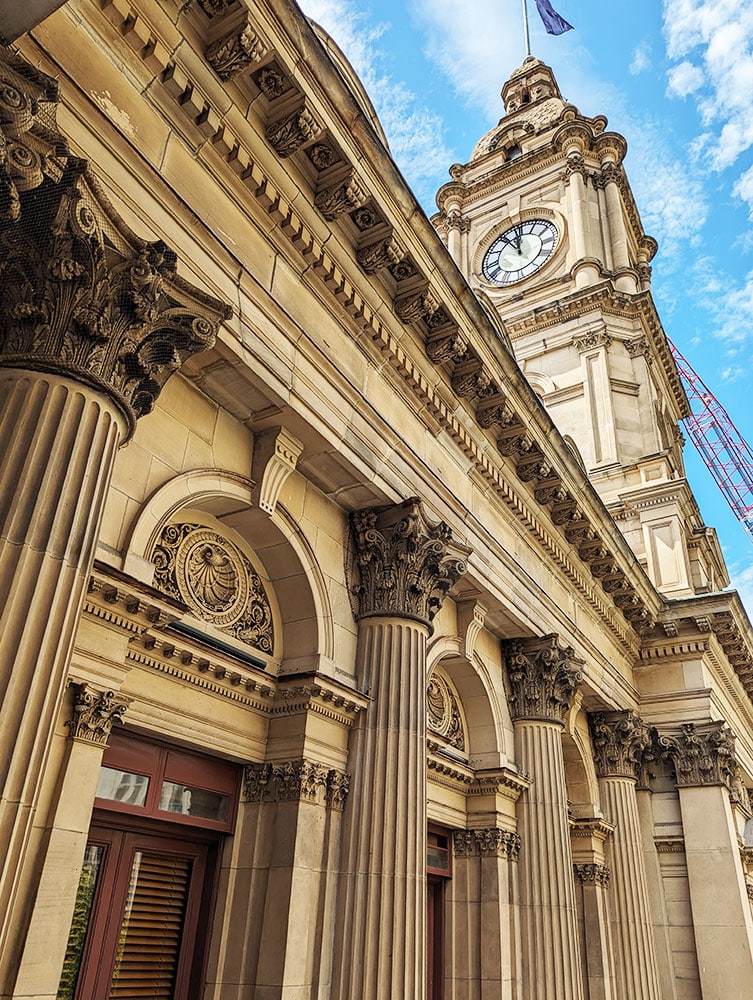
(727, 457)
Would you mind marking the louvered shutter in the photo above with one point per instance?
(150, 934)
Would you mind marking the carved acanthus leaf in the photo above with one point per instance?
(94, 713)
(296, 781)
(344, 195)
(288, 134)
(620, 740)
(406, 564)
(701, 754)
(381, 253)
(416, 304)
(593, 874)
(543, 677)
(235, 51)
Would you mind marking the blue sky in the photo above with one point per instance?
(675, 77)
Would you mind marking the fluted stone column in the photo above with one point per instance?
(705, 765)
(585, 268)
(543, 678)
(406, 566)
(93, 321)
(610, 178)
(619, 740)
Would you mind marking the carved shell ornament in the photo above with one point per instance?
(214, 578)
(443, 712)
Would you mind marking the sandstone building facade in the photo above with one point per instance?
(361, 636)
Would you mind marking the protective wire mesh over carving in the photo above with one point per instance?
(443, 712)
(213, 577)
(406, 564)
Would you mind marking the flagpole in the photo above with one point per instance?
(525, 29)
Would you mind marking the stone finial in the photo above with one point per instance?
(407, 564)
(701, 754)
(80, 293)
(619, 740)
(543, 677)
(94, 713)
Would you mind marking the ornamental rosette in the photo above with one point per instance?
(543, 677)
(405, 563)
(620, 741)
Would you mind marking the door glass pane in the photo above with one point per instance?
(86, 885)
(150, 934)
(196, 802)
(122, 786)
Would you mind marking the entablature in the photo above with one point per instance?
(385, 252)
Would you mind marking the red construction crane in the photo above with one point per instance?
(727, 457)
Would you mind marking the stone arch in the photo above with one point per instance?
(482, 708)
(278, 545)
(580, 772)
(543, 385)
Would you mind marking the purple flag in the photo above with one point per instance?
(553, 22)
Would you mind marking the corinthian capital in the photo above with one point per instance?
(406, 564)
(702, 755)
(80, 293)
(619, 740)
(94, 713)
(543, 677)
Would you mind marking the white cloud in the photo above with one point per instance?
(718, 34)
(415, 133)
(641, 60)
(741, 578)
(731, 373)
(743, 189)
(684, 79)
(477, 56)
(736, 308)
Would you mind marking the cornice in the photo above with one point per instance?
(695, 625)
(434, 302)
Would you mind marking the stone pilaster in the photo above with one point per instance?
(405, 567)
(705, 766)
(483, 905)
(543, 678)
(619, 740)
(92, 716)
(93, 321)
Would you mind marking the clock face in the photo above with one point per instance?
(520, 251)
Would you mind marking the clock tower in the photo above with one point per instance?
(543, 224)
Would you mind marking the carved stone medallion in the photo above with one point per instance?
(443, 712)
(212, 576)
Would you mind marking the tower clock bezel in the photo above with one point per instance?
(526, 227)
